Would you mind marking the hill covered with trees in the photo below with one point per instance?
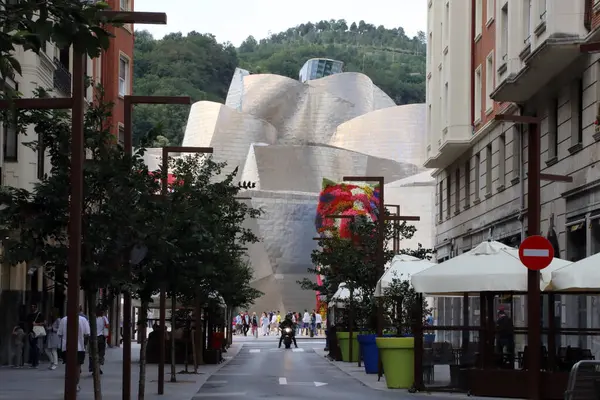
(198, 66)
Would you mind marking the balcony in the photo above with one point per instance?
(543, 64)
(62, 78)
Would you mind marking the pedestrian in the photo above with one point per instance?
(319, 323)
(305, 322)
(18, 344)
(274, 326)
(102, 326)
(254, 325)
(246, 322)
(82, 338)
(313, 323)
(36, 334)
(52, 339)
(264, 322)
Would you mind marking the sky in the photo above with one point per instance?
(235, 20)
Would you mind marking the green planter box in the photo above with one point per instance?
(397, 357)
(344, 345)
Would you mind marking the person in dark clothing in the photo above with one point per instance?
(288, 323)
(35, 318)
(505, 335)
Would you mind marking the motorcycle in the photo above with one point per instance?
(287, 334)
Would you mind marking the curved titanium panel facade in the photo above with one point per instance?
(287, 136)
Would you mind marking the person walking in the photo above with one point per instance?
(274, 326)
(254, 325)
(264, 323)
(246, 322)
(102, 326)
(52, 339)
(305, 322)
(319, 323)
(82, 339)
(36, 333)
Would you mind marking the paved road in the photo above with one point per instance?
(262, 371)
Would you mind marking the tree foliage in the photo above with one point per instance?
(198, 66)
(354, 262)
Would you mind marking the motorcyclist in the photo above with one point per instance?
(288, 323)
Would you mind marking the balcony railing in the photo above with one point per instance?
(62, 77)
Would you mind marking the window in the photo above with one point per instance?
(124, 5)
(477, 175)
(446, 105)
(504, 38)
(467, 184)
(447, 25)
(10, 143)
(448, 199)
(123, 76)
(553, 130)
(577, 113)
(526, 21)
(478, 18)
(457, 191)
(516, 150)
(477, 99)
(121, 137)
(488, 170)
(490, 10)
(542, 8)
(489, 82)
(501, 161)
(441, 201)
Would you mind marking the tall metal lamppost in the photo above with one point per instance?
(163, 299)
(77, 104)
(129, 102)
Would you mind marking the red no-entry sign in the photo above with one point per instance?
(536, 252)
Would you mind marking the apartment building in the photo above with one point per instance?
(22, 167)
(522, 57)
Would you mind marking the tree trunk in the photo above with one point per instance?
(173, 363)
(143, 346)
(91, 303)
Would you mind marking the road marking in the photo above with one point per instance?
(254, 350)
(203, 395)
(298, 350)
(216, 382)
(283, 381)
(536, 253)
(232, 374)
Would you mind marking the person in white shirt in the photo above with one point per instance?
(274, 325)
(306, 322)
(82, 338)
(101, 333)
(319, 322)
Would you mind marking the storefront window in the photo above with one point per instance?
(595, 228)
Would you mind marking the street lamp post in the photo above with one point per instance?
(77, 104)
(129, 102)
(163, 300)
(534, 177)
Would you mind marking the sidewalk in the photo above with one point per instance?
(370, 380)
(43, 384)
(273, 338)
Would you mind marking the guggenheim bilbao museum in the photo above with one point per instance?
(287, 135)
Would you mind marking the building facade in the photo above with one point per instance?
(521, 57)
(316, 68)
(22, 167)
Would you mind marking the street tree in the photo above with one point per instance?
(115, 200)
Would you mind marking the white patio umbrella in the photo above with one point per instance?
(583, 275)
(342, 294)
(489, 267)
(402, 267)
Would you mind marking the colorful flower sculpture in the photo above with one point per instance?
(344, 199)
